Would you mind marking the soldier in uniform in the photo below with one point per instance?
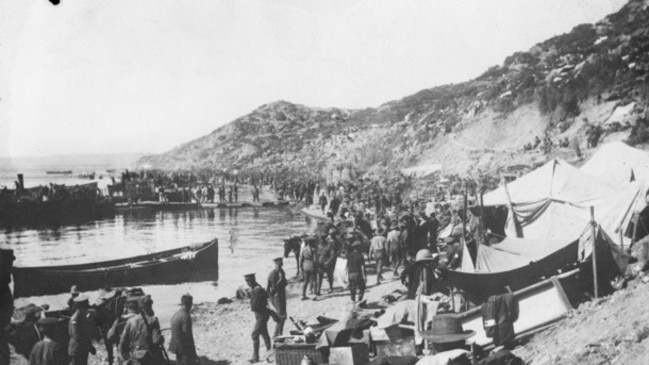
(47, 351)
(326, 262)
(259, 305)
(74, 292)
(182, 336)
(277, 292)
(6, 302)
(80, 331)
(141, 339)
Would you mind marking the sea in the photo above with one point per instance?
(249, 238)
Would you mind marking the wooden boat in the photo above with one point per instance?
(186, 264)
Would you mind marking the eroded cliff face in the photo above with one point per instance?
(595, 75)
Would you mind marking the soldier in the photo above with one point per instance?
(308, 257)
(259, 305)
(74, 292)
(47, 351)
(356, 272)
(326, 261)
(6, 302)
(80, 331)
(141, 339)
(277, 292)
(182, 336)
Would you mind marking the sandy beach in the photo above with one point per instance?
(222, 331)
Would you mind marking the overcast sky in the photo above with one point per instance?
(116, 76)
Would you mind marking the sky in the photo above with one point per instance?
(134, 76)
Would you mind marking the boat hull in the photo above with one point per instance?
(187, 264)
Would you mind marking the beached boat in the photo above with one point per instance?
(186, 264)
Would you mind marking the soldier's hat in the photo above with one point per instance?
(249, 276)
(74, 290)
(145, 300)
(278, 259)
(81, 298)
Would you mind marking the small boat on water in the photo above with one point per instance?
(186, 264)
(59, 172)
(87, 175)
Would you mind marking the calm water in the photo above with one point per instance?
(249, 238)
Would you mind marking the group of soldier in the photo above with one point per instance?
(140, 343)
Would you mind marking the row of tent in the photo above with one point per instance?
(548, 223)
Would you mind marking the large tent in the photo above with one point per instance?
(517, 263)
(619, 163)
(553, 203)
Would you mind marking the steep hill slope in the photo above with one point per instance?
(597, 74)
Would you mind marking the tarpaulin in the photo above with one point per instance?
(553, 202)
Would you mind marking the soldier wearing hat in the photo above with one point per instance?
(356, 272)
(259, 305)
(182, 336)
(47, 351)
(277, 291)
(394, 246)
(141, 338)
(80, 330)
(74, 292)
(326, 261)
(308, 258)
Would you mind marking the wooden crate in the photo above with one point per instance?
(292, 354)
(349, 355)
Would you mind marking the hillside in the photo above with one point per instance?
(595, 75)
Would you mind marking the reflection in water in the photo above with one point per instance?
(248, 241)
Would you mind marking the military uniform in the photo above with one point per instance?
(182, 338)
(47, 351)
(259, 305)
(80, 331)
(277, 292)
(140, 340)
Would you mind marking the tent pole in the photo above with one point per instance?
(519, 230)
(464, 216)
(636, 220)
(621, 237)
(594, 254)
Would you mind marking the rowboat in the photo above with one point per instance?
(186, 264)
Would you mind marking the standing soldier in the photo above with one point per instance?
(6, 302)
(259, 305)
(326, 261)
(182, 336)
(74, 292)
(356, 272)
(277, 292)
(378, 252)
(141, 339)
(47, 351)
(80, 344)
(394, 247)
(307, 259)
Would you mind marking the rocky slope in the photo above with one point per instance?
(597, 74)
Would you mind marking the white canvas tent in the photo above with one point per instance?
(617, 162)
(553, 203)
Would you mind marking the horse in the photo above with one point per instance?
(23, 333)
(293, 244)
(107, 316)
